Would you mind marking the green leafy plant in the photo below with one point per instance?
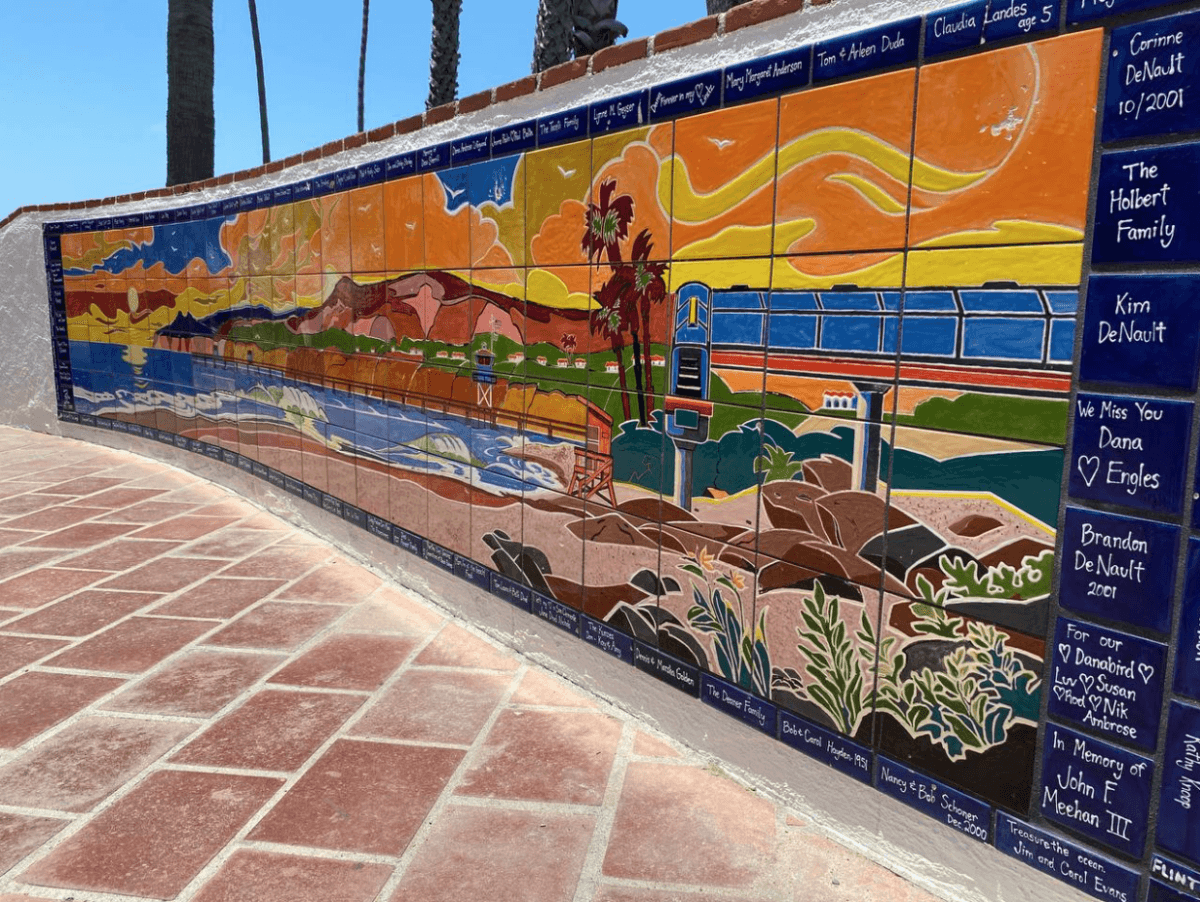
(931, 617)
(776, 464)
(838, 687)
(1030, 580)
(742, 656)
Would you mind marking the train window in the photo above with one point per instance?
(932, 336)
(849, 300)
(737, 328)
(738, 300)
(793, 331)
(930, 302)
(1003, 338)
(891, 334)
(1063, 302)
(891, 300)
(1001, 301)
(1062, 341)
(850, 333)
(793, 300)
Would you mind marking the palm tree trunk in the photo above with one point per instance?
(552, 39)
(362, 63)
(191, 124)
(262, 84)
(637, 379)
(619, 349)
(721, 6)
(443, 53)
(646, 351)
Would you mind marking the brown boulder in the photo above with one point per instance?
(860, 516)
(612, 529)
(792, 505)
(831, 473)
(973, 525)
(654, 509)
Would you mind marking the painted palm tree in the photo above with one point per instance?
(443, 53)
(649, 287)
(191, 124)
(611, 320)
(262, 83)
(362, 62)
(607, 224)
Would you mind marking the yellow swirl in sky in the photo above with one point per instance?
(1008, 231)
(744, 241)
(873, 194)
(676, 193)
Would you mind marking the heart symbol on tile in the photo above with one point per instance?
(1086, 682)
(1088, 468)
(1065, 651)
(1095, 700)
(1059, 692)
(1145, 671)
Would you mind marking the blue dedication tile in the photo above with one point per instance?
(569, 125)
(928, 795)
(379, 527)
(832, 748)
(1160, 892)
(682, 676)
(1130, 451)
(1107, 681)
(1176, 880)
(1179, 795)
(686, 95)
(513, 592)
(330, 504)
(273, 476)
(1144, 206)
(410, 542)
(1141, 330)
(514, 138)
(433, 158)
(399, 166)
(737, 702)
(1119, 568)
(556, 613)
(768, 75)
(443, 557)
(354, 515)
(470, 149)
(1069, 862)
(1187, 657)
(608, 639)
(261, 470)
(1096, 789)
(473, 572)
(1153, 79)
(625, 111)
(889, 45)
(1086, 10)
(956, 28)
(314, 496)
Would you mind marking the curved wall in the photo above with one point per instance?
(758, 380)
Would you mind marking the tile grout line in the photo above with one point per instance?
(593, 862)
(218, 860)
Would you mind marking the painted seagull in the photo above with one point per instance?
(721, 143)
(566, 173)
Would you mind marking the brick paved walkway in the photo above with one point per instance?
(200, 701)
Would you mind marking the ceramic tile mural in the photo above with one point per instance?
(778, 400)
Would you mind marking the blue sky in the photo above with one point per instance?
(85, 87)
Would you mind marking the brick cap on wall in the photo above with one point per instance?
(754, 12)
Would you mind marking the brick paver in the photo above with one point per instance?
(200, 702)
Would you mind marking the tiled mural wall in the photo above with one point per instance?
(762, 382)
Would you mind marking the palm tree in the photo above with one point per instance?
(552, 38)
(191, 124)
(610, 321)
(721, 6)
(607, 224)
(595, 26)
(262, 83)
(649, 287)
(443, 53)
(362, 62)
